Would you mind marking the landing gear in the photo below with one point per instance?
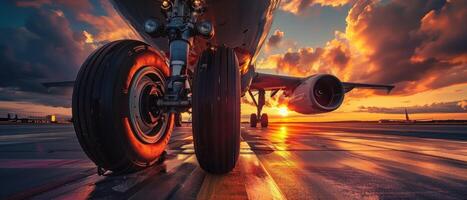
(253, 120)
(264, 120)
(126, 99)
(216, 110)
(215, 95)
(117, 123)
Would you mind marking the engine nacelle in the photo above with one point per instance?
(317, 94)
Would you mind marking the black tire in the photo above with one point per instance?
(178, 119)
(253, 120)
(264, 120)
(102, 117)
(216, 110)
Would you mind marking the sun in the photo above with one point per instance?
(283, 111)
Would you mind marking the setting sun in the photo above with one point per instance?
(283, 111)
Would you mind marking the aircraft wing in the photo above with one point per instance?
(59, 84)
(350, 86)
(278, 82)
(275, 82)
(268, 82)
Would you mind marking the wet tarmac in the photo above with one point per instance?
(284, 161)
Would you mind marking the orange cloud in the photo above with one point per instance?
(109, 27)
(106, 27)
(333, 58)
(463, 104)
(437, 107)
(407, 43)
(296, 6)
(274, 40)
(446, 32)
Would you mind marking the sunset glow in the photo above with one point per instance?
(359, 43)
(283, 111)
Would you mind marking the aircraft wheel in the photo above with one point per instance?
(178, 119)
(216, 110)
(115, 120)
(253, 120)
(264, 120)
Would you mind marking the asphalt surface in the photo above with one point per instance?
(284, 161)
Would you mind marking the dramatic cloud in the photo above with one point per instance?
(44, 49)
(442, 107)
(445, 32)
(386, 36)
(297, 6)
(107, 27)
(333, 58)
(418, 45)
(49, 47)
(275, 39)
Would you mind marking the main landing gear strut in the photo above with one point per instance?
(255, 118)
(214, 93)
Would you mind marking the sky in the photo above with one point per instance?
(420, 46)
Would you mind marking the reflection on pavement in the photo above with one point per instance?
(284, 161)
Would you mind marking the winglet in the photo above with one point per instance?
(389, 88)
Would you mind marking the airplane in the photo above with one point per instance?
(196, 56)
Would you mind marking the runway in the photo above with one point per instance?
(284, 161)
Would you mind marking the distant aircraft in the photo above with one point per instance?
(197, 55)
(406, 116)
(407, 119)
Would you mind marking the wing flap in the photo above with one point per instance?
(350, 86)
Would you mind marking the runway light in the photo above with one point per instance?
(283, 111)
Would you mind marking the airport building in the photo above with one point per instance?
(33, 118)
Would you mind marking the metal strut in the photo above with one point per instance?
(180, 27)
(261, 101)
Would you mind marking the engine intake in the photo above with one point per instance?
(317, 94)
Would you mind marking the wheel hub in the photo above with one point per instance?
(148, 121)
(149, 111)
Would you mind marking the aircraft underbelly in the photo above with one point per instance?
(240, 24)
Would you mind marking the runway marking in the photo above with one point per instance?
(189, 189)
(402, 128)
(430, 151)
(166, 185)
(458, 158)
(248, 180)
(305, 169)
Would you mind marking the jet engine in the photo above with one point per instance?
(317, 94)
